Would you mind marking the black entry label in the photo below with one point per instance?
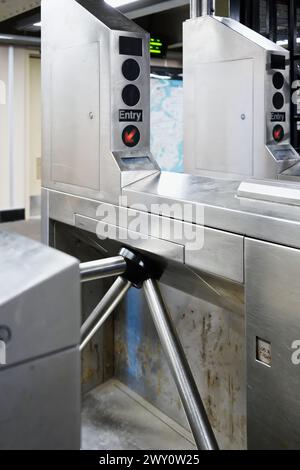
(130, 115)
(278, 117)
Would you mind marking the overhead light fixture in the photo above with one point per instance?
(112, 3)
(120, 3)
(285, 42)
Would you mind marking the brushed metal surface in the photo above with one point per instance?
(231, 146)
(134, 239)
(213, 340)
(273, 191)
(223, 210)
(40, 323)
(101, 269)
(75, 148)
(212, 251)
(81, 127)
(40, 404)
(272, 315)
(228, 100)
(33, 304)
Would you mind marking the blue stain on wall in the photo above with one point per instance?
(133, 330)
(167, 149)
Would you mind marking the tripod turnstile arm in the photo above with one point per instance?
(103, 268)
(103, 310)
(138, 273)
(179, 366)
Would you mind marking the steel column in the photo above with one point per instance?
(195, 8)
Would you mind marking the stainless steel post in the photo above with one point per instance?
(190, 397)
(103, 310)
(202, 8)
(195, 8)
(208, 7)
(102, 268)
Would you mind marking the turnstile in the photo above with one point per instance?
(40, 399)
(102, 190)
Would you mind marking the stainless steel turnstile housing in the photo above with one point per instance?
(39, 330)
(233, 299)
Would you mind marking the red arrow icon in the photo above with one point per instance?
(129, 137)
(278, 133)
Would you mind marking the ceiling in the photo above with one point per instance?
(21, 16)
(10, 8)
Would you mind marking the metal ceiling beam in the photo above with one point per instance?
(22, 41)
(146, 8)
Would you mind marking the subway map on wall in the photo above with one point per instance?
(167, 123)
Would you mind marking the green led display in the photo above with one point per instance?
(157, 47)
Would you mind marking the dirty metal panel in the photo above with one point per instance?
(273, 345)
(213, 339)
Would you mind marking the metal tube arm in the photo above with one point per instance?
(179, 366)
(103, 268)
(103, 310)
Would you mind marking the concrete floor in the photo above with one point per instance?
(116, 418)
(113, 416)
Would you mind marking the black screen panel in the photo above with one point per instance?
(131, 46)
(278, 62)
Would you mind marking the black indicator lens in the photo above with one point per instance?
(131, 95)
(278, 80)
(131, 69)
(278, 100)
(131, 46)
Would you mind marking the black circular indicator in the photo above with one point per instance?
(131, 70)
(278, 133)
(278, 80)
(131, 136)
(131, 95)
(278, 100)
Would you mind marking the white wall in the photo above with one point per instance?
(35, 126)
(16, 179)
(4, 172)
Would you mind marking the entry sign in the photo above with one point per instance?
(129, 115)
(278, 117)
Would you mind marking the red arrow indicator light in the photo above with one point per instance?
(278, 133)
(131, 136)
